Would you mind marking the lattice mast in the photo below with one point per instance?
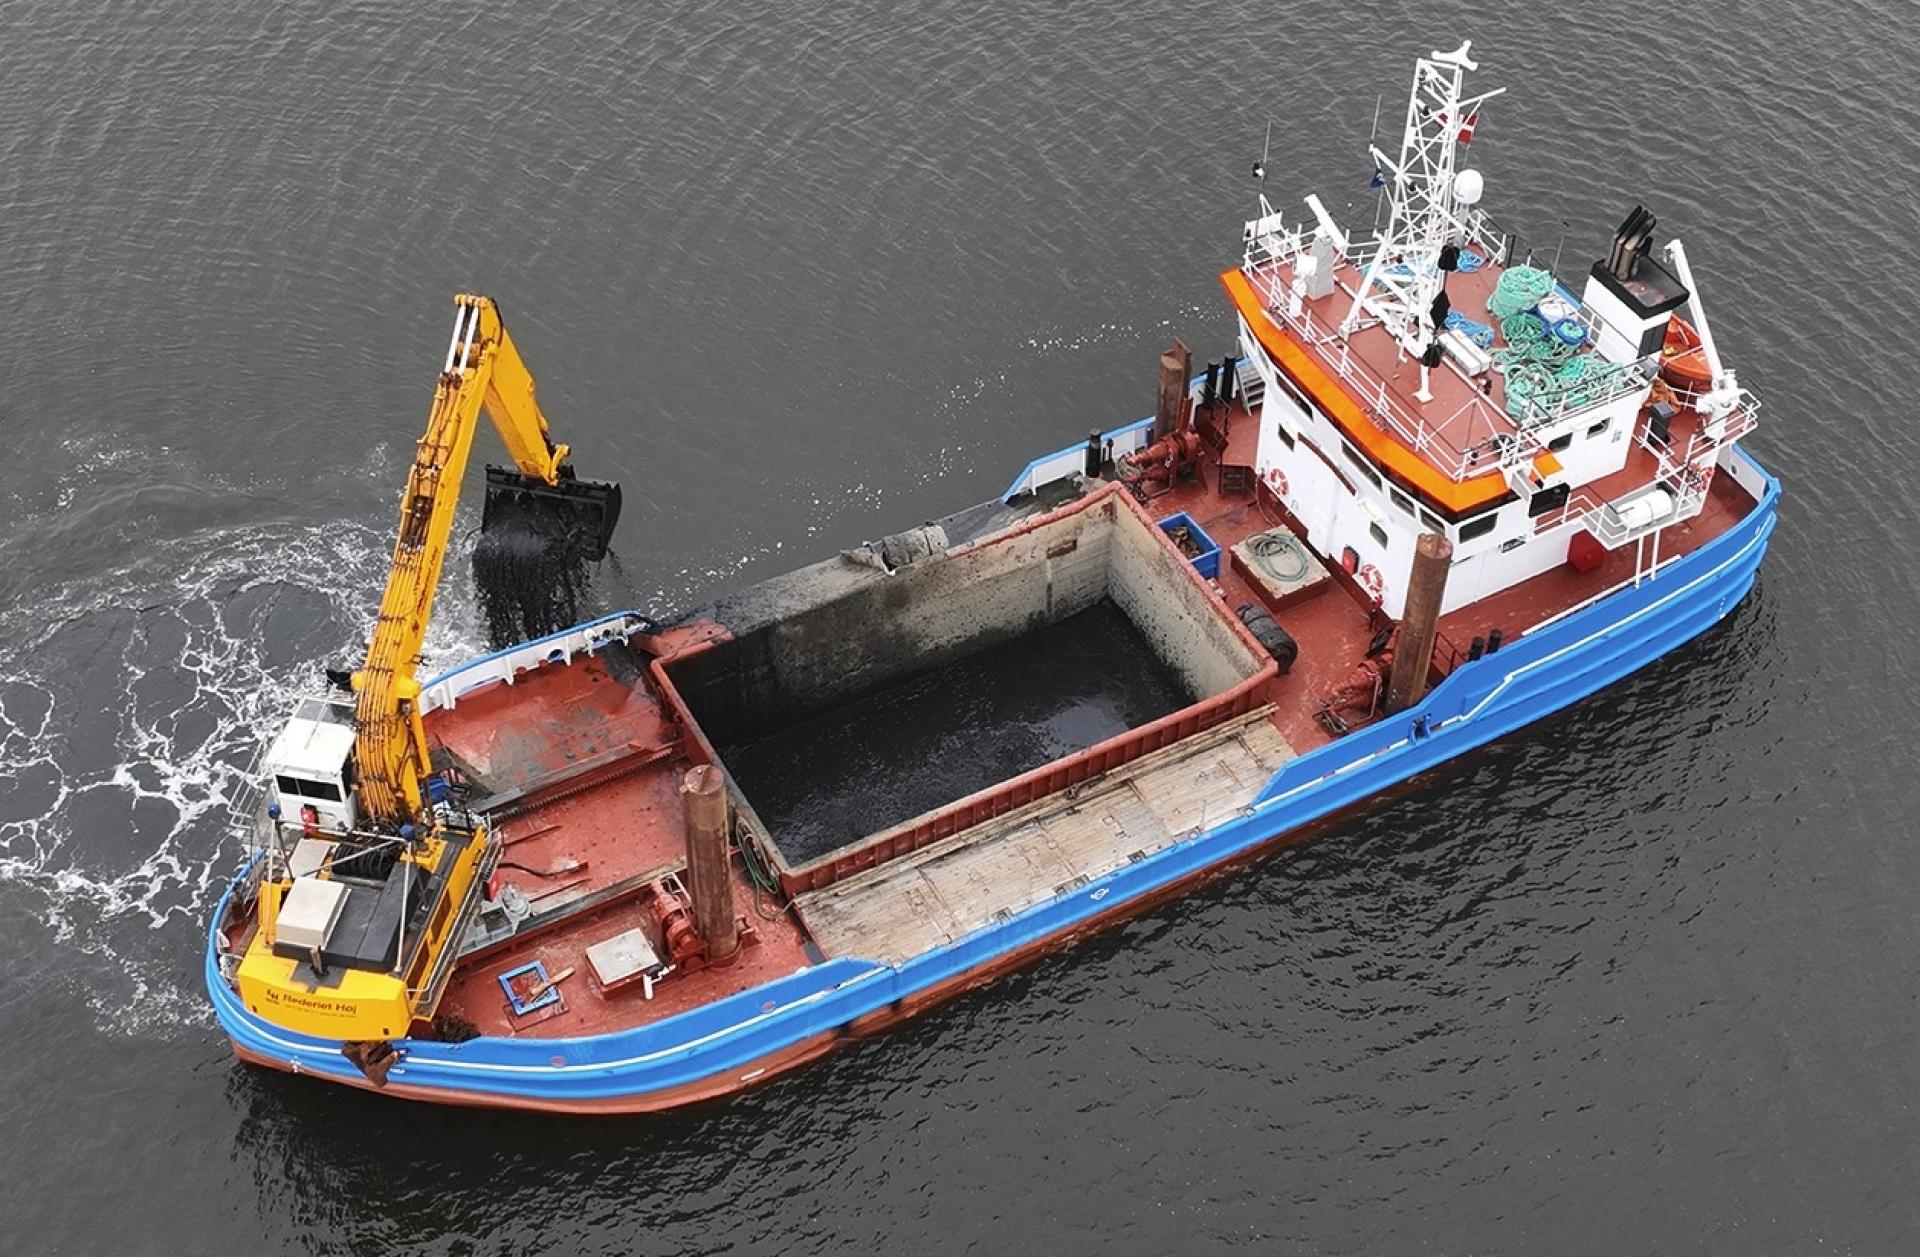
(1403, 277)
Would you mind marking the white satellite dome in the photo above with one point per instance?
(1467, 187)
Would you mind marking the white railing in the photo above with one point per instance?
(1606, 522)
(1486, 237)
(1069, 462)
(244, 810)
(446, 689)
(1675, 470)
(1369, 388)
(1635, 378)
(1501, 448)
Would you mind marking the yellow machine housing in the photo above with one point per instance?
(339, 1001)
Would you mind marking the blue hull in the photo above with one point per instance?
(731, 1043)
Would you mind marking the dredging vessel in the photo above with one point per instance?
(1430, 496)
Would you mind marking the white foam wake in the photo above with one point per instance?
(132, 704)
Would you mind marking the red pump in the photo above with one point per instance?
(673, 917)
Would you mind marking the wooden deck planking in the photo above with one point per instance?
(1013, 862)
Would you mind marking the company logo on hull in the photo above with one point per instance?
(325, 1007)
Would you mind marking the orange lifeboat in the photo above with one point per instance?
(1683, 363)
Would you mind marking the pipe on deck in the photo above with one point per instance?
(703, 793)
(1170, 409)
(1420, 623)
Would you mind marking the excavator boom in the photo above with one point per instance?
(482, 371)
(365, 892)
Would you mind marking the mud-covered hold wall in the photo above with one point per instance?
(827, 634)
(1190, 630)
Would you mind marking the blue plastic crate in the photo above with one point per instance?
(1207, 562)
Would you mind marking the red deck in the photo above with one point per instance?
(595, 733)
(1334, 628)
(583, 765)
(1448, 446)
(1460, 416)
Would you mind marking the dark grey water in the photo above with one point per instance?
(1642, 979)
(930, 739)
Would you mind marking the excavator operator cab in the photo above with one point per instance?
(309, 767)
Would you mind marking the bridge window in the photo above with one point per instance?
(1379, 535)
(1479, 527)
(1360, 464)
(1288, 387)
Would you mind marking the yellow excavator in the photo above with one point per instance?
(373, 873)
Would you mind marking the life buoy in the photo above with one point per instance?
(1277, 481)
(1369, 579)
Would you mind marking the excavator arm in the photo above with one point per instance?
(375, 895)
(483, 371)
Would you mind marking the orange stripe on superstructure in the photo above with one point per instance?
(1456, 496)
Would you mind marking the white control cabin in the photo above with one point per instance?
(310, 765)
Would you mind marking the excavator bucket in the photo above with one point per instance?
(583, 512)
(536, 542)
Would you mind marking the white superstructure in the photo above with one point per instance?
(1426, 379)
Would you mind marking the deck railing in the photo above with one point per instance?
(1266, 251)
(1673, 470)
(504, 665)
(1369, 389)
(1507, 441)
(1634, 377)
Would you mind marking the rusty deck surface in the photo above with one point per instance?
(583, 766)
(1013, 862)
(1333, 627)
(1462, 416)
(580, 765)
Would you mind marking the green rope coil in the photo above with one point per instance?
(1519, 288)
(1541, 369)
(1522, 329)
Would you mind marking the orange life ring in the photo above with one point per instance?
(1277, 481)
(1370, 579)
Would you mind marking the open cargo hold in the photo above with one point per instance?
(925, 741)
(1004, 866)
(842, 636)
